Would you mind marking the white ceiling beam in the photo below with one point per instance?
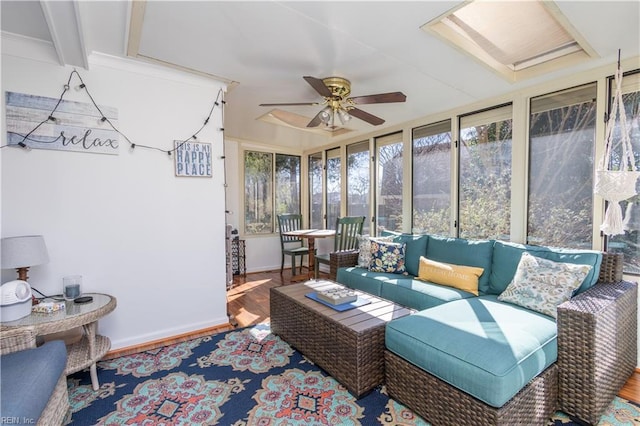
(134, 31)
(63, 20)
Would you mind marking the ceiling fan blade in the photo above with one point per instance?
(318, 85)
(290, 104)
(315, 122)
(380, 98)
(365, 116)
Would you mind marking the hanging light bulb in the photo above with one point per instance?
(344, 116)
(325, 115)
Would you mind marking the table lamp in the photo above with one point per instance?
(23, 252)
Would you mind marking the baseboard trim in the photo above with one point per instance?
(172, 340)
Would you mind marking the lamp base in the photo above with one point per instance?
(22, 276)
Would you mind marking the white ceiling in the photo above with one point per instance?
(266, 48)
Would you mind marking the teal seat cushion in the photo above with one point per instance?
(29, 378)
(362, 279)
(483, 347)
(506, 257)
(416, 294)
(460, 251)
(415, 246)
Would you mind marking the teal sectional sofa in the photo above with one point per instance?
(463, 358)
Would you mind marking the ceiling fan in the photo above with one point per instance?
(335, 91)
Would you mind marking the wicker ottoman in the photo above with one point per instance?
(348, 345)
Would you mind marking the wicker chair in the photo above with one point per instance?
(56, 411)
(597, 353)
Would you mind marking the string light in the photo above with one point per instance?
(103, 118)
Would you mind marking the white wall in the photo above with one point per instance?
(125, 223)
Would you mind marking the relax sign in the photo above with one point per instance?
(74, 126)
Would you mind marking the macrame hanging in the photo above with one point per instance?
(611, 183)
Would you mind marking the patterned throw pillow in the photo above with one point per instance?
(387, 257)
(364, 247)
(541, 284)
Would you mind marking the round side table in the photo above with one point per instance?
(92, 347)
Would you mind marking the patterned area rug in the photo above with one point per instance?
(243, 377)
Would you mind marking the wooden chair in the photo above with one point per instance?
(291, 246)
(347, 231)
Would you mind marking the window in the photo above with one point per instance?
(516, 39)
(334, 182)
(358, 181)
(389, 182)
(485, 174)
(561, 147)
(263, 173)
(258, 181)
(629, 242)
(287, 184)
(432, 178)
(315, 190)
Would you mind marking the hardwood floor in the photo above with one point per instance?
(248, 304)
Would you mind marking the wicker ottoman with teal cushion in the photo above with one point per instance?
(483, 347)
(29, 378)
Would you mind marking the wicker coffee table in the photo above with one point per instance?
(349, 345)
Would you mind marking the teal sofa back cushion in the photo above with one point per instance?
(415, 246)
(506, 257)
(460, 251)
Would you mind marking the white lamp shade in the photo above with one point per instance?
(23, 252)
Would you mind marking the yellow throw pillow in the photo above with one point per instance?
(458, 276)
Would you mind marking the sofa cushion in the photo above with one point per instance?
(460, 251)
(362, 279)
(29, 378)
(484, 347)
(506, 257)
(416, 294)
(457, 276)
(415, 247)
(387, 257)
(542, 284)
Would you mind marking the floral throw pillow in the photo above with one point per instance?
(541, 284)
(387, 257)
(364, 247)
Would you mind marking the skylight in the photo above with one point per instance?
(518, 39)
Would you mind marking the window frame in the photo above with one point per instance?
(273, 192)
(490, 115)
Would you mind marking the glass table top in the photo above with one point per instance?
(72, 310)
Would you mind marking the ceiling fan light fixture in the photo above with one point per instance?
(344, 116)
(335, 90)
(325, 115)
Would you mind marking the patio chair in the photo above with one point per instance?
(291, 246)
(348, 229)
